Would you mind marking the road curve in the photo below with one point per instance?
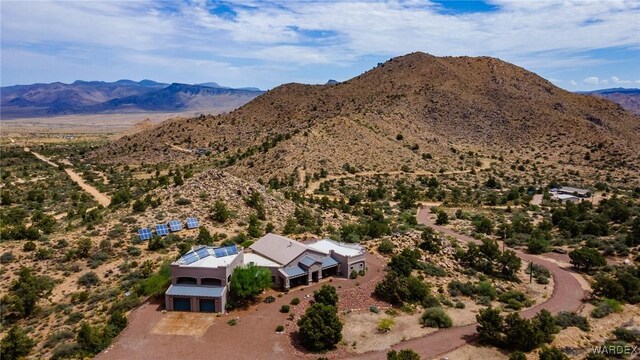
(567, 296)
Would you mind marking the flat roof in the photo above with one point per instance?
(566, 196)
(194, 290)
(325, 245)
(258, 260)
(573, 190)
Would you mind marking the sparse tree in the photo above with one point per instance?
(248, 281)
(16, 344)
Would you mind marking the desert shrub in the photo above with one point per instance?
(285, 309)
(374, 309)
(6, 258)
(58, 337)
(459, 305)
(66, 351)
(385, 324)
(29, 246)
(516, 295)
(517, 355)
(182, 201)
(606, 307)
(404, 354)
(432, 269)
(88, 279)
(232, 322)
(353, 275)
(386, 246)
(485, 289)
(458, 288)
(542, 280)
(74, 318)
(16, 344)
(295, 301)
(269, 299)
(552, 353)
(627, 335)
(280, 328)
(565, 319)
(435, 317)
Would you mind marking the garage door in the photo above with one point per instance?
(181, 304)
(207, 305)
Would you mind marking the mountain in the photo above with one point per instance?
(627, 98)
(122, 96)
(398, 114)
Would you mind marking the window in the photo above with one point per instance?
(187, 280)
(211, 282)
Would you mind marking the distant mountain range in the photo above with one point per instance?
(627, 98)
(122, 96)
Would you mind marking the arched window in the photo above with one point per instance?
(186, 280)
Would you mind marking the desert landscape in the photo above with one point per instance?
(423, 207)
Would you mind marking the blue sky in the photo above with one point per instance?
(578, 45)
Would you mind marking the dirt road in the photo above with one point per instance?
(101, 198)
(567, 295)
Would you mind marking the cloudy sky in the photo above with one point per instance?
(578, 45)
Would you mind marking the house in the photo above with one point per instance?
(568, 190)
(200, 278)
(294, 263)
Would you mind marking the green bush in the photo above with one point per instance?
(280, 328)
(517, 355)
(285, 309)
(88, 279)
(295, 301)
(232, 322)
(320, 327)
(606, 307)
(269, 299)
(435, 317)
(627, 335)
(386, 246)
(565, 319)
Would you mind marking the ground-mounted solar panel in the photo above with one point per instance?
(232, 250)
(162, 230)
(220, 252)
(192, 223)
(175, 225)
(190, 258)
(202, 252)
(144, 233)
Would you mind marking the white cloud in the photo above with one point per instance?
(572, 82)
(591, 80)
(265, 35)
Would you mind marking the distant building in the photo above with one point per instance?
(566, 197)
(200, 278)
(583, 193)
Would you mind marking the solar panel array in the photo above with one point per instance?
(202, 252)
(144, 233)
(192, 223)
(175, 225)
(162, 229)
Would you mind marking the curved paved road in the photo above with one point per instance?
(567, 295)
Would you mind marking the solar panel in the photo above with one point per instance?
(220, 252)
(232, 250)
(202, 252)
(175, 225)
(162, 230)
(192, 223)
(144, 233)
(190, 258)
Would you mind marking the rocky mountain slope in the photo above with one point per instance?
(395, 114)
(123, 96)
